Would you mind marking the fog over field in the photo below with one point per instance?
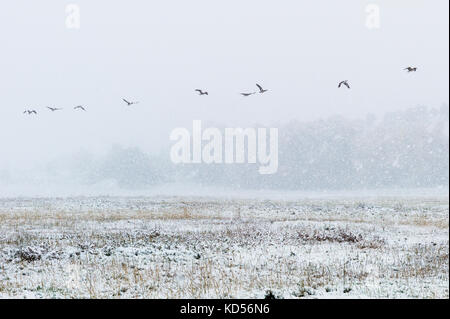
(390, 130)
(408, 150)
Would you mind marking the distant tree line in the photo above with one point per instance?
(404, 149)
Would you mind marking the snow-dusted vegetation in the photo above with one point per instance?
(392, 247)
(407, 149)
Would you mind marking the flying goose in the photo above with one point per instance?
(411, 69)
(247, 94)
(29, 112)
(261, 90)
(344, 83)
(129, 103)
(80, 107)
(200, 92)
(53, 109)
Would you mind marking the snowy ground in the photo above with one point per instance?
(174, 247)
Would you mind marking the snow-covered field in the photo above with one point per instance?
(178, 247)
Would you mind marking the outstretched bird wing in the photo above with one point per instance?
(126, 101)
(259, 87)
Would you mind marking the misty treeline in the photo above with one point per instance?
(405, 149)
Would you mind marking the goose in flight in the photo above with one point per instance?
(80, 107)
(129, 103)
(29, 112)
(200, 92)
(344, 83)
(261, 90)
(411, 69)
(248, 94)
(53, 109)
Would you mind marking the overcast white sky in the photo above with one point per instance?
(158, 52)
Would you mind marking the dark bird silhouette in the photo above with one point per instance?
(53, 109)
(79, 107)
(411, 69)
(129, 103)
(261, 90)
(344, 83)
(248, 94)
(200, 92)
(29, 112)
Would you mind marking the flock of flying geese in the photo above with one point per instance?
(53, 109)
(201, 92)
(261, 90)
